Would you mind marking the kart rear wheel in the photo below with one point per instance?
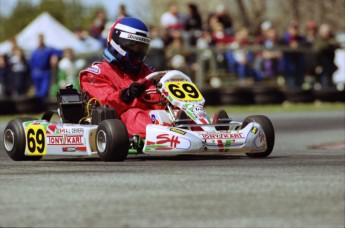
(221, 117)
(267, 126)
(15, 140)
(112, 140)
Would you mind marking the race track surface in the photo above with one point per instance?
(295, 187)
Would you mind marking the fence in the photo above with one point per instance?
(217, 84)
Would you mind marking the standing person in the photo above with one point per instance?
(122, 11)
(4, 72)
(324, 47)
(114, 81)
(20, 72)
(171, 19)
(193, 23)
(98, 24)
(293, 61)
(68, 69)
(222, 16)
(239, 60)
(40, 65)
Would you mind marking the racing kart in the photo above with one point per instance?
(180, 126)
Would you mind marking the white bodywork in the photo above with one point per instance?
(60, 139)
(163, 137)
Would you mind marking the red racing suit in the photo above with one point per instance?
(105, 82)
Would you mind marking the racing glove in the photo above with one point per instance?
(133, 91)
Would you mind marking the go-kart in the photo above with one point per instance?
(180, 126)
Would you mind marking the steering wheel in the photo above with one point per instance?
(149, 93)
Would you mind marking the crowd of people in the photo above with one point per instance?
(176, 44)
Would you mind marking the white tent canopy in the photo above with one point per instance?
(55, 35)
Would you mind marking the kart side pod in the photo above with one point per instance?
(171, 140)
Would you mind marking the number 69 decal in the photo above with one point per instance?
(183, 91)
(36, 140)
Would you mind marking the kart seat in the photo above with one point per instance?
(70, 105)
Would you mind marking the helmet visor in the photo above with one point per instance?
(135, 45)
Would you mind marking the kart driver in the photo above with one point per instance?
(114, 81)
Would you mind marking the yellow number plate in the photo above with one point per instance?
(36, 140)
(183, 91)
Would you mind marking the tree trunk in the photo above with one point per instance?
(243, 11)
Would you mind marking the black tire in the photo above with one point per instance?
(268, 95)
(236, 96)
(267, 126)
(7, 106)
(211, 97)
(299, 96)
(217, 118)
(15, 140)
(25, 104)
(329, 95)
(112, 140)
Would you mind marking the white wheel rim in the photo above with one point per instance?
(9, 140)
(101, 139)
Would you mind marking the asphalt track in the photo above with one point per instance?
(295, 187)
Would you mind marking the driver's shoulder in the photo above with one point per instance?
(95, 68)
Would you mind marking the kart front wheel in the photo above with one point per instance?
(15, 140)
(267, 126)
(112, 140)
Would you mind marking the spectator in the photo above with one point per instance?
(41, 62)
(87, 43)
(193, 23)
(98, 24)
(239, 60)
(310, 35)
(122, 11)
(264, 27)
(171, 19)
(222, 16)
(311, 31)
(219, 37)
(293, 61)
(156, 53)
(220, 40)
(270, 58)
(205, 40)
(68, 71)
(325, 46)
(205, 60)
(20, 72)
(175, 53)
(4, 73)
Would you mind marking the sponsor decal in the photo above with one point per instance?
(54, 140)
(153, 118)
(223, 136)
(166, 138)
(254, 130)
(65, 140)
(130, 36)
(74, 140)
(224, 147)
(68, 149)
(73, 149)
(69, 131)
(93, 69)
(178, 131)
(168, 142)
(36, 140)
(260, 140)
